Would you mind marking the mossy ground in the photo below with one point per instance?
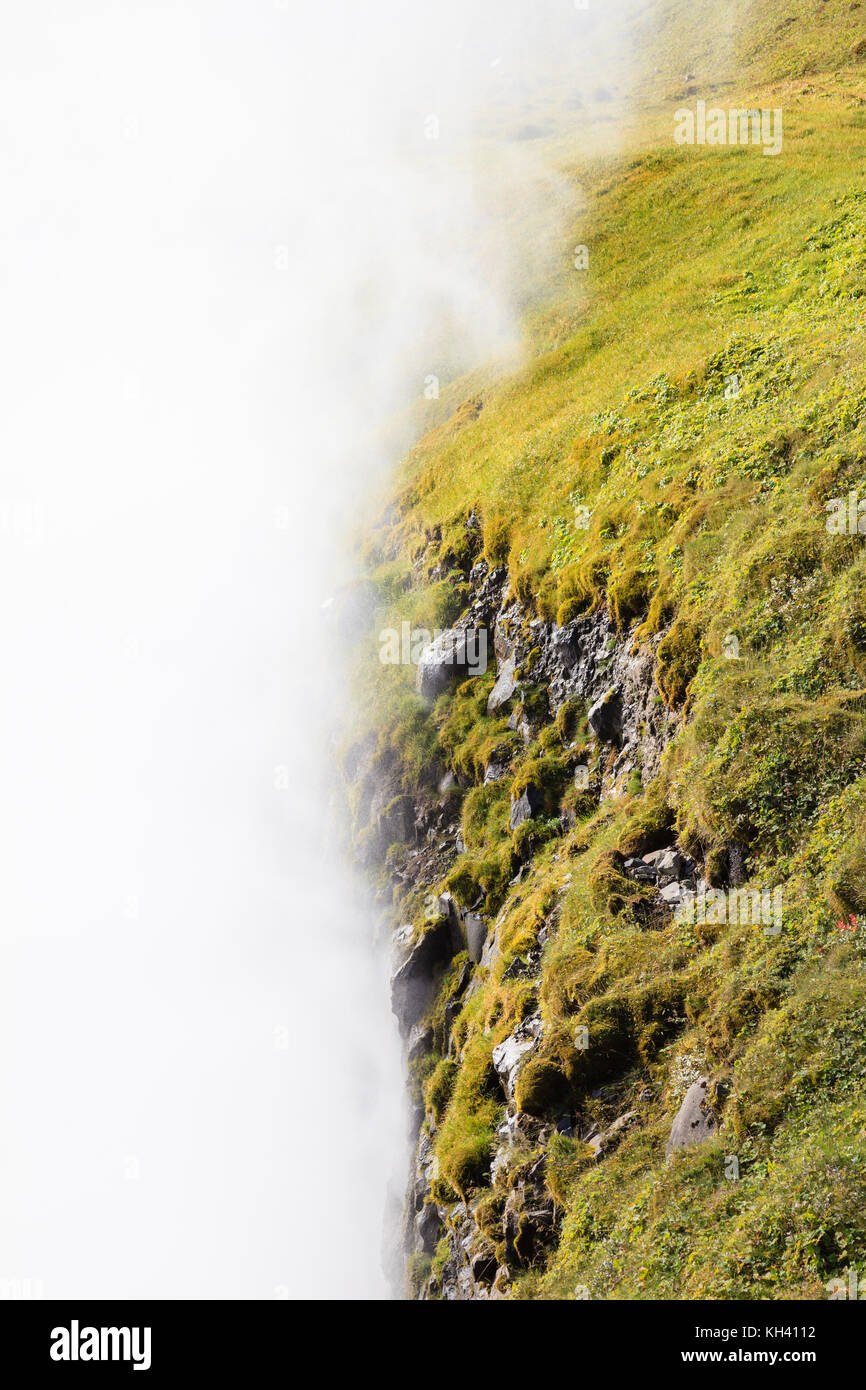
(705, 512)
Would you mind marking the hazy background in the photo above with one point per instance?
(228, 250)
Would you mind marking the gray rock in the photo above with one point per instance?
(527, 805)
(402, 935)
(448, 908)
(476, 935)
(413, 980)
(448, 658)
(499, 1165)
(522, 726)
(605, 717)
(494, 771)
(429, 1227)
(426, 1167)
(670, 866)
(737, 872)
(420, 1041)
(506, 684)
(645, 874)
(586, 659)
(518, 969)
(675, 894)
(603, 1143)
(639, 871)
(529, 1224)
(492, 948)
(510, 1053)
(695, 1122)
(482, 1264)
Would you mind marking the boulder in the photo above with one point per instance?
(603, 1143)
(510, 1053)
(525, 806)
(413, 979)
(676, 894)
(483, 1264)
(655, 855)
(670, 866)
(506, 684)
(420, 1041)
(450, 657)
(429, 1227)
(475, 928)
(640, 871)
(494, 771)
(605, 717)
(695, 1122)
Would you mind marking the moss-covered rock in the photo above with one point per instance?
(679, 656)
(541, 1087)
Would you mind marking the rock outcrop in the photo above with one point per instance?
(510, 1054)
(610, 676)
(450, 657)
(696, 1121)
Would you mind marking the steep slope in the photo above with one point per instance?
(633, 879)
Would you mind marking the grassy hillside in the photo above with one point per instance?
(696, 397)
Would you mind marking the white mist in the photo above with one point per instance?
(224, 256)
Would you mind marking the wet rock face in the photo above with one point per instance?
(695, 1122)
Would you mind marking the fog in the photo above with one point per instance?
(230, 249)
